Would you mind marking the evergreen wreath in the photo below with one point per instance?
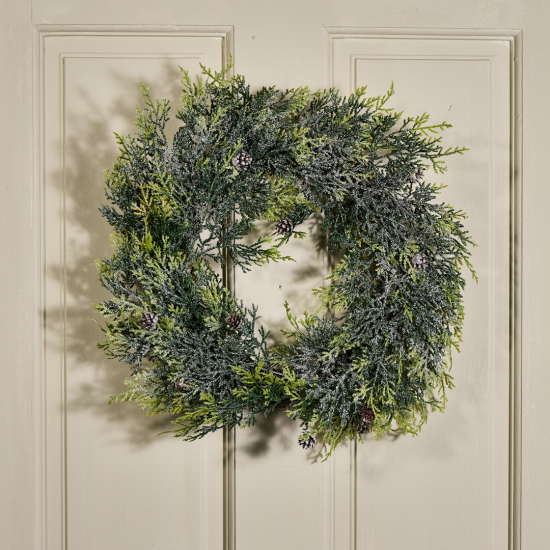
(377, 354)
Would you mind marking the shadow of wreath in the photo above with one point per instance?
(89, 148)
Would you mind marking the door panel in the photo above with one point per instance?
(451, 483)
(111, 482)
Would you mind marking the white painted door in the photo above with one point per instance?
(96, 476)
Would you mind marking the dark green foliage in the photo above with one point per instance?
(180, 210)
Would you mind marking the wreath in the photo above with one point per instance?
(376, 354)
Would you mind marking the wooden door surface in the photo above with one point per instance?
(81, 475)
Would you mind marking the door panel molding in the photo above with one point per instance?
(54, 46)
(336, 36)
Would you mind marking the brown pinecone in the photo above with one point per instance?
(367, 414)
(420, 261)
(180, 385)
(149, 321)
(284, 226)
(233, 321)
(307, 443)
(241, 161)
(367, 418)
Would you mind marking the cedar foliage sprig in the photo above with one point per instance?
(179, 210)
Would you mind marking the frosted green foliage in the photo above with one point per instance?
(384, 333)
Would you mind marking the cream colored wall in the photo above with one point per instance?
(17, 464)
(269, 46)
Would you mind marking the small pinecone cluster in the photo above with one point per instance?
(233, 321)
(149, 321)
(420, 261)
(179, 385)
(418, 175)
(241, 161)
(307, 443)
(367, 418)
(284, 226)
